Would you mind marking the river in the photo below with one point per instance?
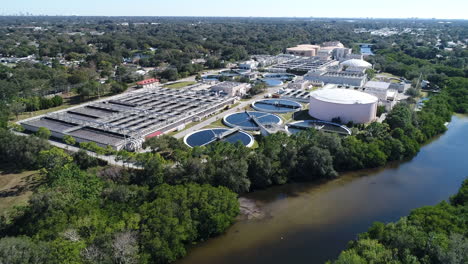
(312, 223)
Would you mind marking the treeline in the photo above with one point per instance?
(39, 103)
(87, 214)
(430, 234)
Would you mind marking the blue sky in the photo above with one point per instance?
(448, 9)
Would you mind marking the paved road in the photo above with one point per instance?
(219, 116)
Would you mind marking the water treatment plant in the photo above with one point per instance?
(124, 121)
(207, 136)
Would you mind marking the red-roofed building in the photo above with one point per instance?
(154, 134)
(148, 83)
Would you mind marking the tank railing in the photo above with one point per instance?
(219, 137)
(278, 104)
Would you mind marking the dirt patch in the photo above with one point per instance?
(16, 188)
(249, 209)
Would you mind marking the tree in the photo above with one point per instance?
(69, 140)
(118, 87)
(315, 163)
(461, 197)
(22, 250)
(380, 110)
(17, 108)
(57, 100)
(43, 132)
(125, 248)
(413, 92)
(85, 161)
(53, 157)
(170, 74)
(182, 214)
(258, 88)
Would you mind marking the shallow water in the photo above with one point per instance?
(311, 223)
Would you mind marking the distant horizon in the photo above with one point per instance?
(193, 16)
(343, 9)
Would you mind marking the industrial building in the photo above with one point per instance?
(304, 50)
(380, 89)
(148, 83)
(348, 105)
(124, 121)
(337, 77)
(350, 73)
(332, 50)
(302, 64)
(248, 65)
(300, 85)
(231, 88)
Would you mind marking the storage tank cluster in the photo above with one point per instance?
(348, 105)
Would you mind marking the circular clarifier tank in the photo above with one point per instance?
(276, 106)
(207, 136)
(273, 82)
(325, 126)
(250, 120)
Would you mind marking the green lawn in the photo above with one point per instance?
(16, 188)
(217, 123)
(179, 85)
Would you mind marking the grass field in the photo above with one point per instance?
(179, 85)
(16, 188)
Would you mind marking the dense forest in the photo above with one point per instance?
(88, 212)
(96, 56)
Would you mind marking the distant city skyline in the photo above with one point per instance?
(450, 9)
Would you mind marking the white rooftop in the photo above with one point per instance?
(357, 63)
(377, 85)
(343, 96)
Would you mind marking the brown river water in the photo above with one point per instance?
(312, 223)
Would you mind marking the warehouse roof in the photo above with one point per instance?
(343, 96)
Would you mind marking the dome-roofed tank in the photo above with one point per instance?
(357, 63)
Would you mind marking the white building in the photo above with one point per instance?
(348, 105)
(378, 89)
(248, 65)
(337, 77)
(231, 88)
(299, 85)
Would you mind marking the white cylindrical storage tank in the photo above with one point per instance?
(348, 105)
